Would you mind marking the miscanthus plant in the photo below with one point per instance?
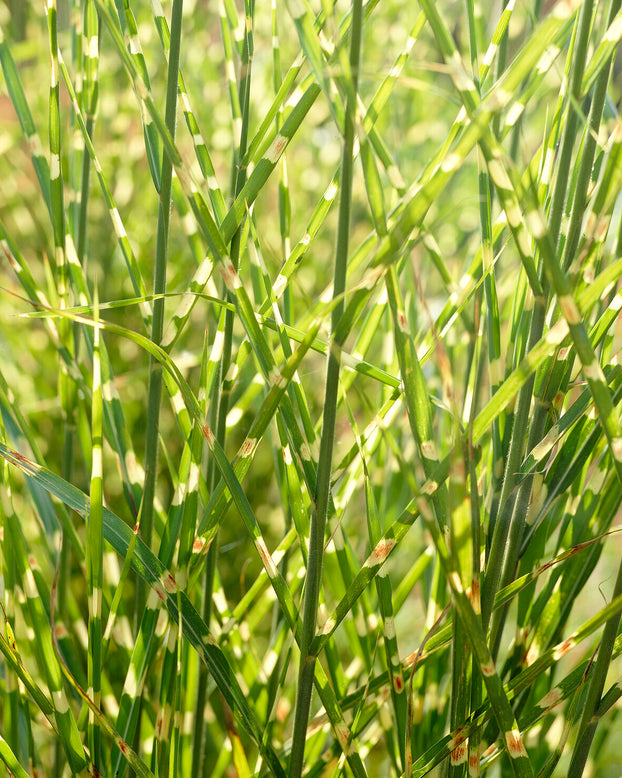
(310, 388)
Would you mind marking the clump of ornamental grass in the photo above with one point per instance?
(310, 388)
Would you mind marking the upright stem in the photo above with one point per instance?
(322, 497)
(569, 135)
(589, 719)
(90, 97)
(507, 499)
(220, 400)
(159, 287)
(599, 96)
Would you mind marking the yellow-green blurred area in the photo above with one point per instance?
(454, 314)
(413, 124)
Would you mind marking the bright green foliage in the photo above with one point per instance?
(310, 441)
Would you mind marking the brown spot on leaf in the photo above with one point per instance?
(458, 755)
(246, 449)
(515, 745)
(381, 551)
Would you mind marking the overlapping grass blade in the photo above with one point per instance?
(155, 575)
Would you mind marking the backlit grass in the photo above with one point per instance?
(310, 388)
